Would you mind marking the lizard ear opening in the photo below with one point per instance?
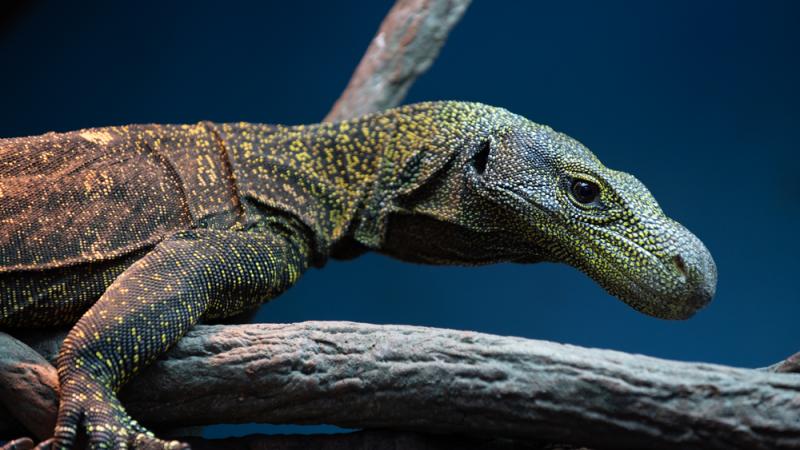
(481, 159)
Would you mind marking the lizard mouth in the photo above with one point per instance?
(675, 286)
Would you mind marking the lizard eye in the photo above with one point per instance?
(584, 192)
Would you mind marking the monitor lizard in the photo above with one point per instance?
(133, 234)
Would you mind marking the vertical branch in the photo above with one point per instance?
(405, 46)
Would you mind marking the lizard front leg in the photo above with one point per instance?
(148, 308)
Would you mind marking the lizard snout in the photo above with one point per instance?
(689, 279)
(698, 273)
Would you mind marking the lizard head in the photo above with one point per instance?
(522, 192)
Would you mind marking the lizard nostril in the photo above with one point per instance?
(680, 264)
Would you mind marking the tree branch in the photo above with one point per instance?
(28, 387)
(407, 42)
(456, 382)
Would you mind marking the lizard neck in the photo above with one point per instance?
(343, 179)
(416, 145)
(317, 173)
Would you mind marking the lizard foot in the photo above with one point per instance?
(93, 406)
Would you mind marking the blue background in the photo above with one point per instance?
(700, 100)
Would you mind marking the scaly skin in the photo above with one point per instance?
(136, 233)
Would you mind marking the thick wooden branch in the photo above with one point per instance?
(445, 381)
(405, 46)
(27, 387)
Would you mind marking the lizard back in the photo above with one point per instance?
(99, 194)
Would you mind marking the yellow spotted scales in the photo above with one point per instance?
(135, 233)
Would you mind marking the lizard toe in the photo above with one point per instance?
(108, 426)
(70, 414)
(91, 405)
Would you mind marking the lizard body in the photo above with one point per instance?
(135, 233)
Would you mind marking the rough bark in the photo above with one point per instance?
(28, 385)
(456, 382)
(405, 46)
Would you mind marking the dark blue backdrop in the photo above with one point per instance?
(697, 99)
